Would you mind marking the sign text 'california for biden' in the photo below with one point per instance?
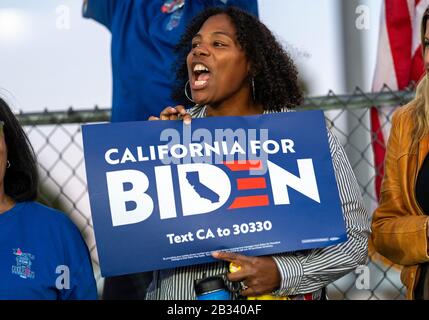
(164, 194)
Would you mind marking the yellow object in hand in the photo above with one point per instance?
(234, 268)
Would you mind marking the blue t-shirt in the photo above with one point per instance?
(43, 256)
(143, 41)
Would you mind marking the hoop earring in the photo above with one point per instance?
(186, 91)
(253, 89)
(7, 164)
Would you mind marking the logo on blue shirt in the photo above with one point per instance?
(23, 264)
(174, 20)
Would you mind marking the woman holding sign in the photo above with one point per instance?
(42, 254)
(231, 65)
(400, 223)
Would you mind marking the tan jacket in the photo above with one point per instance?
(399, 225)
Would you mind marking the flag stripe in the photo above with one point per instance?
(399, 30)
(417, 66)
(378, 148)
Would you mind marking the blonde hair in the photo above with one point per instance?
(420, 107)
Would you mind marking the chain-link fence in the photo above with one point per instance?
(57, 141)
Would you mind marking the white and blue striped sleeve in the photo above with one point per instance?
(310, 270)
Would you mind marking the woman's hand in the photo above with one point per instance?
(259, 275)
(171, 113)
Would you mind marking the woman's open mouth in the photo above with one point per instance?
(200, 76)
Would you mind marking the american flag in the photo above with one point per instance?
(399, 62)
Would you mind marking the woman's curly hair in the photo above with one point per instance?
(274, 73)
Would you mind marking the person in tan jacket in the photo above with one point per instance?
(400, 224)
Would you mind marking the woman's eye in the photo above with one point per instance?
(426, 43)
(218, 44)
(195, 45)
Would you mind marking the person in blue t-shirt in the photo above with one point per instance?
(42, 253)
(144, 36)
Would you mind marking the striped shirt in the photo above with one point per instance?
(302, 272)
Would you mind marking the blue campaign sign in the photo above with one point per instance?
(164, 194)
